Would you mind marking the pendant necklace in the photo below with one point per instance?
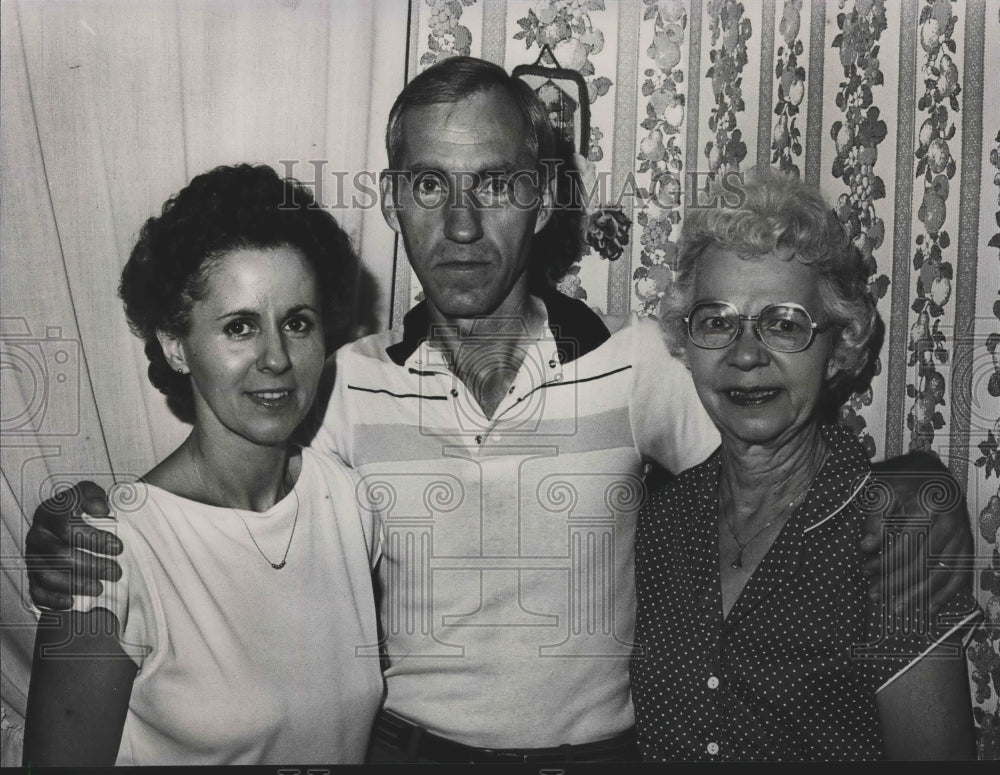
(741, 545)
(291, 535)
(785, 512)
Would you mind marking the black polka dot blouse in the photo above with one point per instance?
(792, 672)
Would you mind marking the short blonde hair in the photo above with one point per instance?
(774, 212)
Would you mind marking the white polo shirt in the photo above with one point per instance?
(508, 594)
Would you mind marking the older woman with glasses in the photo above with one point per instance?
(755, 636)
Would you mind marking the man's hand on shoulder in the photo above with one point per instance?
(58, 568)
(920, 487)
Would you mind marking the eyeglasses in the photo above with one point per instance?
(784, 328)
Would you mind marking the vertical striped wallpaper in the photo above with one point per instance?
(892, 108)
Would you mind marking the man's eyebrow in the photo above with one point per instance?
(421, 167)
(502, 167)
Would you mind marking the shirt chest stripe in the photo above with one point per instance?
(445, 398)
(584, 379)
(397, 395)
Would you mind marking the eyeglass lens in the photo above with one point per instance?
(782, 327)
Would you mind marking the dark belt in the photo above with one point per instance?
(417, 743)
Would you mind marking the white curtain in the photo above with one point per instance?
(108, 108)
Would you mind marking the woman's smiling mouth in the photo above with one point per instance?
(269, 397)
(751, 396)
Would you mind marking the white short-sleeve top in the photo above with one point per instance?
(240, 663)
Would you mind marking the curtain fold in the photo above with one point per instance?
(108, 108)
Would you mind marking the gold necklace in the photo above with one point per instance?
(295, 521)
(284, 557)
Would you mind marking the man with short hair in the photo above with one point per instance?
(509, 602)
(503, 437)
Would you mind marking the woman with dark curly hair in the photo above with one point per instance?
(757, 640)
(223, 642)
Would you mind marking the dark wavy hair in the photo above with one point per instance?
(228, 208)
(560, 243)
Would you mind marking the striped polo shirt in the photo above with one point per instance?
(507, 589)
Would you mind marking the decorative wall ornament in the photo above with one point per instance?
(564, 93)
(565, 26)
(570, 284)
(564, 32)
(605, 228)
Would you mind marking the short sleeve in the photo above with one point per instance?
(330, 437)
(669, 423)
(129, 598)
(371, 523)
(895, 644)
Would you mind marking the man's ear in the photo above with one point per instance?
(548, 198)
(173, 350)
(388, 200)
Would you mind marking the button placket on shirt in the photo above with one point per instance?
(488, 433)
(553, 372)
(716, 694)
(453, 390)
(717, 701)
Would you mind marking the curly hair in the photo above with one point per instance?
(560, 244)
(773, 212)
(228, 208)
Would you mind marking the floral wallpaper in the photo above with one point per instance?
(786, 137)
(660, 160)
(984, 656)
(939, 108)
(857, 136)
(730, 32)
(447, 36)
(870, 100)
